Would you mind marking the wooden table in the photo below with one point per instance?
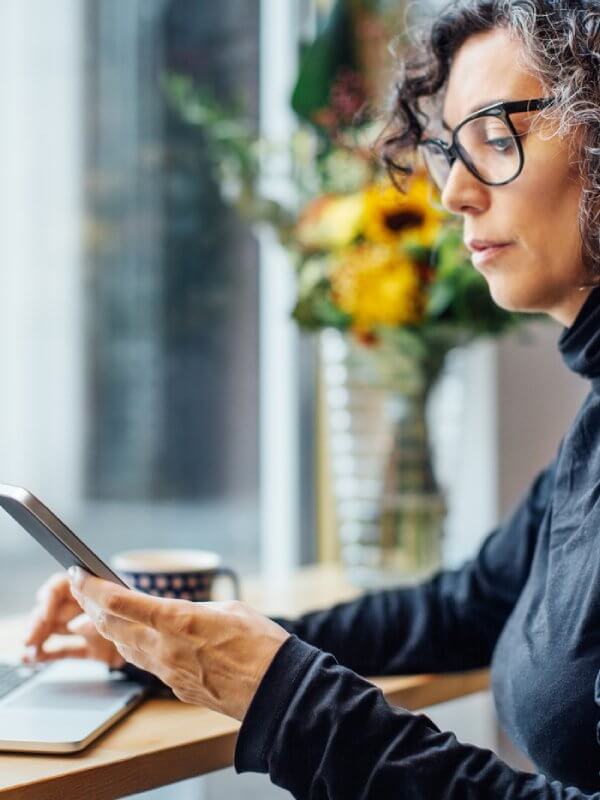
(164, 741)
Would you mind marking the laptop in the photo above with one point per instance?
(61, 706)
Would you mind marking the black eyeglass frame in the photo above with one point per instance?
(501, 110)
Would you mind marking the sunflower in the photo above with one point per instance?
(375, 285)
(390, 215)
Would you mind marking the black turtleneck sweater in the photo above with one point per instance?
(528, 604)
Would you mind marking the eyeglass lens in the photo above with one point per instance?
(489, 147)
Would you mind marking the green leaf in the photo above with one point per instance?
(317, 310)
(321, 60)
(440, 299)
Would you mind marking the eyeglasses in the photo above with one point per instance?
(486, 142)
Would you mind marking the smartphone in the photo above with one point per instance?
(54, 536)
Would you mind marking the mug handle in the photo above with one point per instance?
(226, 572)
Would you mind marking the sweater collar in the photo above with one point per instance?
(579, 344)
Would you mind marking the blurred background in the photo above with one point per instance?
(156, 390)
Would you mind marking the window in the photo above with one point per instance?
(130, 303)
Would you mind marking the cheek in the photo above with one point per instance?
(546, 222)
(547, 207)
(551, 231)
(544, 264)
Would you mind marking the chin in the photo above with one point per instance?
(513, 297)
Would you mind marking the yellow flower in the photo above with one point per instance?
(330, 222)
(390, 216)
(376, 285)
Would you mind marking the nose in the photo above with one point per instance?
(463, 192)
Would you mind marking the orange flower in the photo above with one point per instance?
(330, 222)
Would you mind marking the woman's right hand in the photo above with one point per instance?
(57, 611)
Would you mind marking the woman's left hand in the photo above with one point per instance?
(211, 654)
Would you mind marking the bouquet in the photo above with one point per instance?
(389, 268)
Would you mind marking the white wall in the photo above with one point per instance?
(537, 398)
(463, 419)
(517, 400)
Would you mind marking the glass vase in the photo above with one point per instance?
(389, 507)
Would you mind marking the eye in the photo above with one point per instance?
(502, 144)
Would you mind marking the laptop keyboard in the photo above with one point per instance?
(14, 675)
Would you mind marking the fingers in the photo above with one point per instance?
(53, 594)
(96, 595)
(40, 627)
(81, 651)
(52, 587)
(82, 626)
(129, 634)
(41, 630)
(37, 631)
(95, 646)
(101, 626)
(55, 606)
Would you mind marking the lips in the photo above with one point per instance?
(482, 252)
(475, 245)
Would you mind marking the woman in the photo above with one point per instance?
(524, 177)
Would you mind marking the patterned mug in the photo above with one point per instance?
(178, 574)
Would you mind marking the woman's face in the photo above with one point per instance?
(542, 268)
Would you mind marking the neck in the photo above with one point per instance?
(566, 312)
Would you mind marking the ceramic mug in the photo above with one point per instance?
(178, 574)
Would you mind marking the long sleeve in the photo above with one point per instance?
(448, 623)
(322, 732)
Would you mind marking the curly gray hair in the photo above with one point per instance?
(562, 48)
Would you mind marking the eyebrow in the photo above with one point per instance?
(475, 108)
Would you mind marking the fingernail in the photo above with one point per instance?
(75, 575)
(29, 654)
